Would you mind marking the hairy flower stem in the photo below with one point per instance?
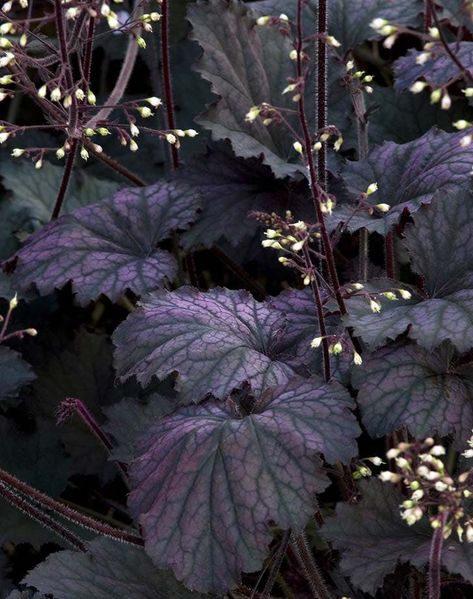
(167, 79)
(66, 179)
(316, 191)
(322, 89)
(70, 406)
(435, 559)
(311, 570)
(359, 106)
(39, 516)
(48, 504)
(320, 316)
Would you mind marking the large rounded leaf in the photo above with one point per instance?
(111, 246)
(109, 570)
(209, 480)
(409, 386)
(215, 341)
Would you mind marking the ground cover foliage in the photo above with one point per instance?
(236, 292)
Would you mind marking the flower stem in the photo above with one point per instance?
(316, 191)
(320, 316)
(322, 89)
(66, 179)
(167, 79)
(435, 559)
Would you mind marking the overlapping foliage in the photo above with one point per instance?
(213, 401)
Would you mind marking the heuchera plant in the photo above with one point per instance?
(236, 342)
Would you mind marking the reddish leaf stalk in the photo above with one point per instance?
(322, 89)
(167, 79)
(435, 559)
(35, 514)
(116, 166)
(276, 565)
(47, 503)
(311, 570)
(70, 406)
(316, 191)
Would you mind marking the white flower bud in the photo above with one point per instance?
(145, 111)
(17, 152)
(133, 145)
(405, 294)
(315, 343)
(297, 147)
(171, 139)
(191, 133)
(375, 306)
(56, 94)
(134, 130)
(372, 188)
(418, 87)
(383, 207)
(358, 360)
(262, 21)
(154, 101)
(84, 154)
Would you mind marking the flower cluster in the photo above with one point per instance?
(433, 492)
(57, 77)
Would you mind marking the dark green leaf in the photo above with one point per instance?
(109, 570)
(14, 373)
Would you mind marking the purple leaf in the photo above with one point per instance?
(209, 481)
(109, 570)
(438, 71)
(441, 250)
(231, 188)
(408, 175)
(111, 246)
(349, 22)
(215, 341)
(14, 373)
(423, 390)
(246, 65)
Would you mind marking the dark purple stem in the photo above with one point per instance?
(322, 89)
(167, 79)
(72, 405)
(316, 191)
(276, 564)
(116, 166)
(33, 512)
(66, 179)
(47, 503)
(435, 559)
(320, 317)
(390, 257)
(453, 57)
(427, 15)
